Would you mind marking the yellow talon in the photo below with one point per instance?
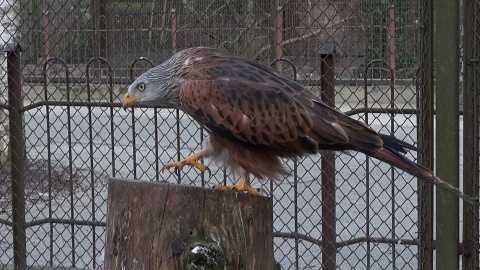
(242, 185)
(190, 160)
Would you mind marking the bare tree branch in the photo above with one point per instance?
(295, 39)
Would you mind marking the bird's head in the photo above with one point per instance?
(155, 87)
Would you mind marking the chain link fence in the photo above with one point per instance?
(79, 56)
(471, 135)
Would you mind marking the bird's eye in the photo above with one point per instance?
(141, 87)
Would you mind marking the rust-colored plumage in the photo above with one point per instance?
(255, 115)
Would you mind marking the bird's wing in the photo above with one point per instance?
(240, 99)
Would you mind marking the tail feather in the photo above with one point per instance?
(393, 143)
(392, 157)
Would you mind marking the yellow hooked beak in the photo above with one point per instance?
(129, 101)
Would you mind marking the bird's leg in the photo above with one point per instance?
(243, 184)
(191, 160)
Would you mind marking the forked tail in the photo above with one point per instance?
(394, 158)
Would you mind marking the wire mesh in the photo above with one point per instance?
(471, 135)
(79, 56)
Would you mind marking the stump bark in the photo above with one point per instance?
(154, 225)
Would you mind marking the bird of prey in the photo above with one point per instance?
(255, 115)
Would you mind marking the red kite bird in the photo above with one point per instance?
(255, 115)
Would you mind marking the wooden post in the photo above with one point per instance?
(155, 225)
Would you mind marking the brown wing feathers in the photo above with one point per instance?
(249, 105)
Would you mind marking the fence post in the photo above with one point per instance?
(471, 146)
(327, 84)
(447, 71)
(17, 153)
(425, 119)
(157, 225)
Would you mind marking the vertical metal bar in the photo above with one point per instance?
(90, 145)
(447, 35)
(295, 174)
(70, 161)
(102, 28)
(367, 169)
(17, 154)
(177, 112)
(134, 145)
(392, 131)
(471, 128)
(112, 138)
(134, 141)
(295, 215)
(103, 62)
(134, 148)
(112, 129)
(70, 158)
(46, 37)
(327, 84)
(391, 40)
(49, 160)
(425, 103)
(179, 156)
(173, 13)
(202, 175)
(279, 37)
(391, 72)
(157, 144)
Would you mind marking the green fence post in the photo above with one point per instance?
(447, 59)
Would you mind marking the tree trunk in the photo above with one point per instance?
(154, 225)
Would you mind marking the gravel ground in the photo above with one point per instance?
(39, 187)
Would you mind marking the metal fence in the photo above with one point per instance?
(78, 58)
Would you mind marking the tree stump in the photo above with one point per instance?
(155, 225)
